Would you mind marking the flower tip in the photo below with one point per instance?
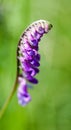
(50, 26)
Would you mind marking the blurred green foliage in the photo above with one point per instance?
(50, 108)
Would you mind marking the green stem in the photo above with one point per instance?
(13, 89)
(9, 98)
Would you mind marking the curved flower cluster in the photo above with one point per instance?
(29, 58)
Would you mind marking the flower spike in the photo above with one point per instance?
(29, 58)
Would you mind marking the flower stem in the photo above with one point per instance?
(9, 97)
(13, 89)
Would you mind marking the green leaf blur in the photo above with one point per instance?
(50, 108)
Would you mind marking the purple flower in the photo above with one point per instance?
(29, 58)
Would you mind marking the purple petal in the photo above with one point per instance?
(35, 63)
(30, 72)
(32, 79)
(33, 42)
(31, 52)
(37, 35)
(23, 95)
(23, 100)
(37, 57)
(36, 70)
(27, 46)
(26, 65)
(41, 30)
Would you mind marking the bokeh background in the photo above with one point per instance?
(50, 108)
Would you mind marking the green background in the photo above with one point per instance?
(50, 108)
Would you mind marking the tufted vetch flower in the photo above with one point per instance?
(29, 58)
